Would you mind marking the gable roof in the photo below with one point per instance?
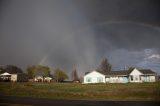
(86, 73)
(5, 74)
(143, 71)
(94, 71)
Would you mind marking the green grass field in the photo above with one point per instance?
(136, 91)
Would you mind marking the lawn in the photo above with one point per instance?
(135, 91)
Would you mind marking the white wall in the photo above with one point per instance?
(148, 78)
(112, 80)
(152, 78)
(115, 79)
(13, 77)
(135, 74)
(94, 77)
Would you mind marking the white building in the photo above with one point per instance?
(14, 77)
(134, 75)
(142, 76)
(94, 77)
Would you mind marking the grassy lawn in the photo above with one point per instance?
(141, 91)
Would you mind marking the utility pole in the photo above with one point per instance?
(125, 67)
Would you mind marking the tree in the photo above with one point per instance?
(74, 75)
(43, 71)
(31, 71)
(60, 75)
(12, 69)
(105, 66)
(130, 68)
(38, 70)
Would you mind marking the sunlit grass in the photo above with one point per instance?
(135, 91)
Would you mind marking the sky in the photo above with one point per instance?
(70, 34)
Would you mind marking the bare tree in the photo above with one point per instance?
(74, 75)
(105, 66)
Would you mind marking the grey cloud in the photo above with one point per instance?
(78, 33)
(145, 11)
(45, 31)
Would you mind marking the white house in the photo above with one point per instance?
(142, 75)
(5, 76)
(133, 76)
(94, 77)
(38, 78)
(42, 79)
(8, 77)
(14, 77)
(47, 79)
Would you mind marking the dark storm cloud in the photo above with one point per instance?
(129, 35)
(44, 33)
(145, 11)
(79, 34)
(125, 30)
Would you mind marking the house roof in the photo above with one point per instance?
(125, 72)
(121, 72)
(5, 74)
(146, 71)
(87, 73)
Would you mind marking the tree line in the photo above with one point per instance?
(33, 71)
(59, 75)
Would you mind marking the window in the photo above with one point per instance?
(131, 78)
(88, 79)
(99, 79)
